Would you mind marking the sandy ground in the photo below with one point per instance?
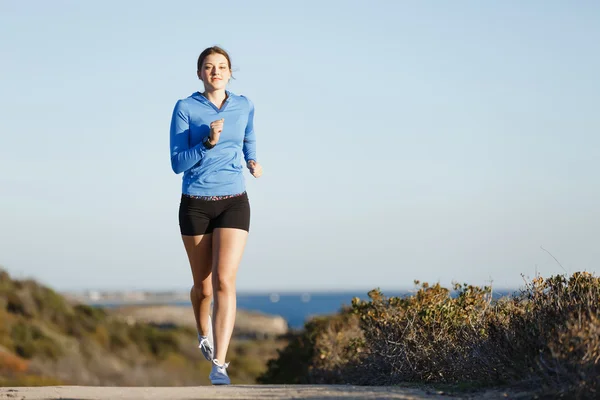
(268, 392)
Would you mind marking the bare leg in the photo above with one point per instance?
(228, 248)
(199, 251)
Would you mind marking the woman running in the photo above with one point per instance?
(210, 133)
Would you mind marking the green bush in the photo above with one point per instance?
(83, 320)
(293, 361)
(153, 340)
(29, 381)
(50, 305)
(28, 341)
(118, 336)
(35, 322)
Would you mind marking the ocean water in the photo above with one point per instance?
(297, 308)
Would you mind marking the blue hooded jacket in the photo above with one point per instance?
(217, 171)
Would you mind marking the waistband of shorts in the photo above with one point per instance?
(213, 198)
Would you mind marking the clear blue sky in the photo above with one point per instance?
(429, 140)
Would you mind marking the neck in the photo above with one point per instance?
(217, 97)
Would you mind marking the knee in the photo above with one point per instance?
(224, 283)
(202, 291)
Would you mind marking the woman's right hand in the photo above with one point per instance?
(216, 127)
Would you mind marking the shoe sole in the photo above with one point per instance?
(219, 380)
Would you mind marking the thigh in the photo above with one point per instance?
(194, 221)
(228, 247)
(199, 251)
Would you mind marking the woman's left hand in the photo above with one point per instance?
(255, 168)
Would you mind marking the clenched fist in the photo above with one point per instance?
(255, 168)
(216, 127)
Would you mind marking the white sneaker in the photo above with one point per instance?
(218, 375)
(205, 343)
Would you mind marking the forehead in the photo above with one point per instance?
(215, 58)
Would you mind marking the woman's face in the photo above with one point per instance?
(215, 72)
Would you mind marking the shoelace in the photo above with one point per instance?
(221, 367)
(205, 343)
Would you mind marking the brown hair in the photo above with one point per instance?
(213, 50)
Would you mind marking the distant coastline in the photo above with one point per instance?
(296, 308)
(147, 297)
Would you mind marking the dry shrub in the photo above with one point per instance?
(339, 345)
(11, 364)
(322, 352)
(552, 338)
(546, 336)
(426, 337)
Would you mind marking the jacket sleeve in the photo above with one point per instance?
(249, 148)
(183, 157)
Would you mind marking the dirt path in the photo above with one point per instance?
(269, 392)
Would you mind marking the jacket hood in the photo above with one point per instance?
(200, 97)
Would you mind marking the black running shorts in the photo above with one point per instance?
(199, 216)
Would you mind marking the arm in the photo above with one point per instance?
(250, 136)
(182, 156)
